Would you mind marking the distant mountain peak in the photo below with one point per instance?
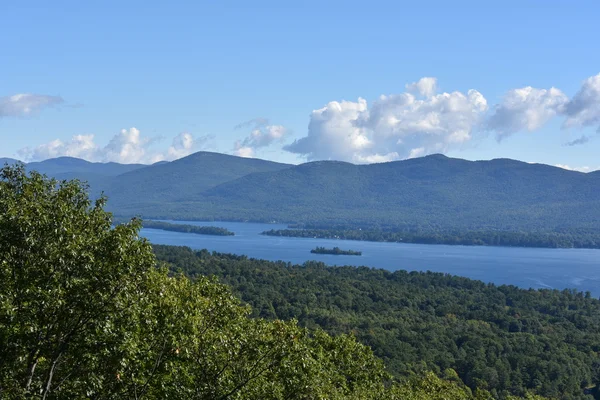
(437, 156)
(6, 160)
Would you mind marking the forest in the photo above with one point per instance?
(87, 311)
(502, 339)
(589, 240)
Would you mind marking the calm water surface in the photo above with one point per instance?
(524, 267)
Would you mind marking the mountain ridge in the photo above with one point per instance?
(428, 193)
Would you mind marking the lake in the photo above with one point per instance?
(524, 267)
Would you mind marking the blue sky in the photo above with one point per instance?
(143, 81)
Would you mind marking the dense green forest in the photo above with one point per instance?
(185, 228)
(86, 313)
(335, 251)
(498, 338)
(587, 240)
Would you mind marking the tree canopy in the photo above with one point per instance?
(501, 339)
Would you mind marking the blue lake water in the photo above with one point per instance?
(524, 267)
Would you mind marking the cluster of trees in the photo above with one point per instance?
(85, 313)
(335, 251)
(185, 228)
(501, 339)
(590, 240)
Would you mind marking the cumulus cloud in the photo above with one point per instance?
(26, 104)
(422, 121)
(80, 146)
(584, 108)
(262, 135)
(333, 133)
(395, 126)
(578, 169)
(127, 147)
(426, 86)
(527, 109)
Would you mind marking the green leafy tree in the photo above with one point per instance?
(63, 272)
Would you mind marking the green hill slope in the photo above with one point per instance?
(433, 191)
(179, 181)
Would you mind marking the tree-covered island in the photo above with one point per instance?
(200, 230)
(567, 239)
(336, 251)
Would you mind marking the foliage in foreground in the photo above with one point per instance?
(84, 313)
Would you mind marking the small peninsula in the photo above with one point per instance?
(336, 251)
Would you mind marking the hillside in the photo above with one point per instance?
(9, 161)
(74, 166)
(433, 193)
(181, 180)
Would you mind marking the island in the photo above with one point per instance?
(200, 230)
(336, 251)
(579, 239)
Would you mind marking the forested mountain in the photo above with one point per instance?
(434, 191)
(74, 166)
(180, 181)
(137, 186)
(499, 338)
(428, 194)
(9, 161)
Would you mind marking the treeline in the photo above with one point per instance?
(469, 238)
(501, 339)
(335, 251)
(201, 230)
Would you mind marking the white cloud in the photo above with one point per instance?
(183, 145)
(376, 158)
(421, 121)
(262, 135)
(526, 108)
(584, 108)
(333, 133)
(578, 169)
(80, 146)
(127, 147)
(25, 104)
(426, 86)
(242, 151)
(396, 126)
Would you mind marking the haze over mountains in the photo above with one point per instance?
(433, 192)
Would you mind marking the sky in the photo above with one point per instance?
(300, 81)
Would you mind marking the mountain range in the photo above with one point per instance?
(432, 192)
